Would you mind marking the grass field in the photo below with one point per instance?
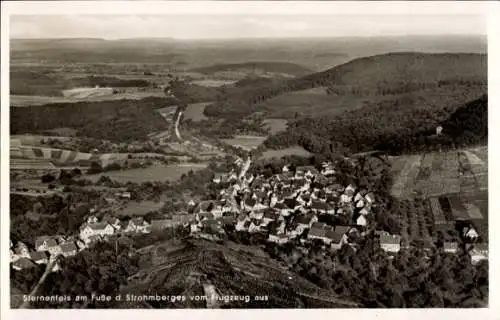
(292, 151)
(194, 111)
(133, 208)
(276, 125)
(27, 100)
(245, 142)
(213, 82)
(153, 173)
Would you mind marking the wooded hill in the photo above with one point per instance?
(391, 73)
(271, 67)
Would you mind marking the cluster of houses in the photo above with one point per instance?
(47, 249)
(93, 230)
(288, 205)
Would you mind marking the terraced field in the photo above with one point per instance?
(455, 184)
(439, 173)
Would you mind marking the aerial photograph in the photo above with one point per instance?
(248, 161)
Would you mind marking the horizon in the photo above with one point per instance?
(476, 35)
(240, 26)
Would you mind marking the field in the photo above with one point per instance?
(454, 186)
(133, 208)
(245, 142)
(153, 173)
(28, 100)
(213, 82)
(292, 151)
(276, 125)
(194, 111)
(440, 173)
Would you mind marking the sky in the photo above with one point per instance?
(240, 26)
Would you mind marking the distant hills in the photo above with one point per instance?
(313, 53)
(257, 67)
(392, 73)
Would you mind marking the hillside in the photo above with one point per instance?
(286, 68)
(393, 73)
(119, 121)
(406, 124)
(233, 270)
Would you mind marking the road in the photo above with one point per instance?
(33, 292)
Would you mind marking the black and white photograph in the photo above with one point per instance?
(248, 159)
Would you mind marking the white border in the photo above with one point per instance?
(490, 11)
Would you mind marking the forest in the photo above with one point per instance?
(117, 121)
(387, 128)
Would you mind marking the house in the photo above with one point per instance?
(283, 209)
(389, 242)
(220, 177)
(13, 256)
(69, 249)
(39, 257)
(327, 169)
(321, 207)
(278, 238)
(42, 243)
(241, 222)
(113, 221)
(22, 250)
(100, 229)
(254, 225)
(205, 206)
(450, 247)
(318, 231)
(360, 195)
(370, 197)
(125, 195)
(22, 263)
(361, 221)
(92, 219)
(80, 244)
(138, 224)
(337, 236)
(479, 252)
(306, 172)
(366, 210)
(269, 215)
(470, 233)
(360, 203)
(304, 222)
(195, 227)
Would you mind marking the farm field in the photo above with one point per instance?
(292, 151)
(276, 125)
(213, 82)
(440, 173)
(245, 142)
(28, 100)
(194, 111)
(153, 173)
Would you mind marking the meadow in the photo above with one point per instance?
(292, 151)
(194, 111)
(153, 173)
(245, 142)
(276, 125)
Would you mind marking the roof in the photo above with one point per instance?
(38, 255)
(205, 205)
(319, 205)
(68, 247)
(450, 245)
(387, 238)
(269, 213)
(305, 219)
(23, 263)
(51, 243)
(306, 168)
(39, 241)
(98, 225)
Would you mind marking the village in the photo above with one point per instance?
(285, 207)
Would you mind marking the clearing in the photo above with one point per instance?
(153, 173)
